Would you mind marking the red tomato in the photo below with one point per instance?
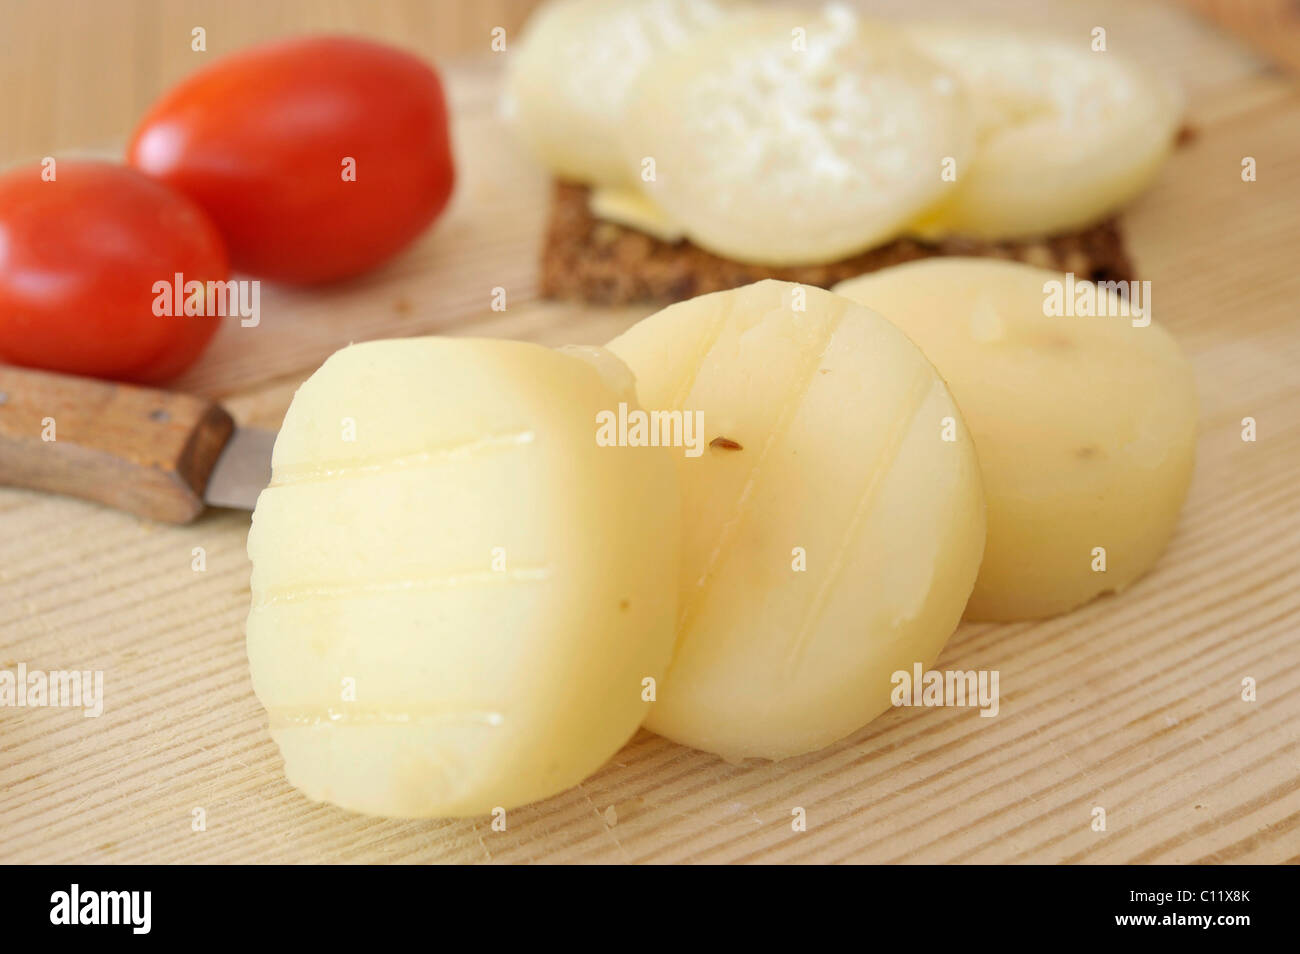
(263, 141)
(79, 257)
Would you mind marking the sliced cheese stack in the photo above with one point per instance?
(831, 531)
(1065, 135)
(784, 136)
(787, 137)
(570, 74)
(457, 593)
(1085, 424)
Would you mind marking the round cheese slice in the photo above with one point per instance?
(831, 528)
(569, 76)
(460, 594)
(790, 137)
(1065, 135)
(1083, 413)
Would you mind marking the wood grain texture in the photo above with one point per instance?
(1271, 26)
(82, 72)
(1132, 703)
(141, 450)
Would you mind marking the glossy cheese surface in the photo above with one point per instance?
(831, 534)
(457, 593)
(1065, 135)
(570, 73)
(1085, 426)
(792, 136)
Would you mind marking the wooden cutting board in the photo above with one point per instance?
(1132, 704)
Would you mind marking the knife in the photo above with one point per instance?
(157, 454)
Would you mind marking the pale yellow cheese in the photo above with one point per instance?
(458, 594)
(793, 136)
(831, 531)
(1085, 426)
(569, 75)
(1066, 134)
(629, 207)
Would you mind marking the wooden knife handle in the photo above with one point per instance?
(140, 450)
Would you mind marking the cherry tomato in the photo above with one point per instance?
(79, 258)
(318, 158)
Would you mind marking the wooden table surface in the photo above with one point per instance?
(1132, 704)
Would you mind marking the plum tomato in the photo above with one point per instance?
(80, 254)
(317, 157)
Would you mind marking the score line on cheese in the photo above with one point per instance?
(827, 446)
(1085, 426)
(456, 609)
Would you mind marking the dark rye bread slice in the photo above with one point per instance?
(599, 262)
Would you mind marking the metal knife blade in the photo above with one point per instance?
(242, 470)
